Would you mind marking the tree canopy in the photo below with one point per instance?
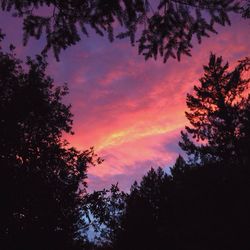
(160, 28)
(197, 208)
(43, 180)
(217, 113)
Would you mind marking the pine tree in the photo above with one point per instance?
(168, 27)
(216, 113)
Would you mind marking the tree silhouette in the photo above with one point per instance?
(196, 208)
(217, 113)
(146, 213)
(42, 181)
(104, 209)
(203, 203)
(164, 28)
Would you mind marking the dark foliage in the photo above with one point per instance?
(196, 208)
(42, 180)
(245, 10)
(164, 28)
(218, 114)
(143, 219)
(103, 212)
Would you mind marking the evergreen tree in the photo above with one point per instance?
(217, 113)
(168, 27)
(179, 167)
(143, 223)
(195, 208)
(245, 10)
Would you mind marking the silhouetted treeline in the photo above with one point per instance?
(196, 208)
(205, 202)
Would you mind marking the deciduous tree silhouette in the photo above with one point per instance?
(42, 180)
(166, 28)
(217, 113)
(105, 208)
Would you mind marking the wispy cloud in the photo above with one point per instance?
(132, 111)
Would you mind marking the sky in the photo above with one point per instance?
(130, 110)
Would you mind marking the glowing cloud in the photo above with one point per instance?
(132, 111)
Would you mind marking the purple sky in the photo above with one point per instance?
(130, 110)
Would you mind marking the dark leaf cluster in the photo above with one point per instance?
(103, 210)
(218, 113)
(42, 180)
(164, 28)
(170, 30)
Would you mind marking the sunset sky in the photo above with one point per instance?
(130, 110)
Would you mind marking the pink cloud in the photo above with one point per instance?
(132, 111)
